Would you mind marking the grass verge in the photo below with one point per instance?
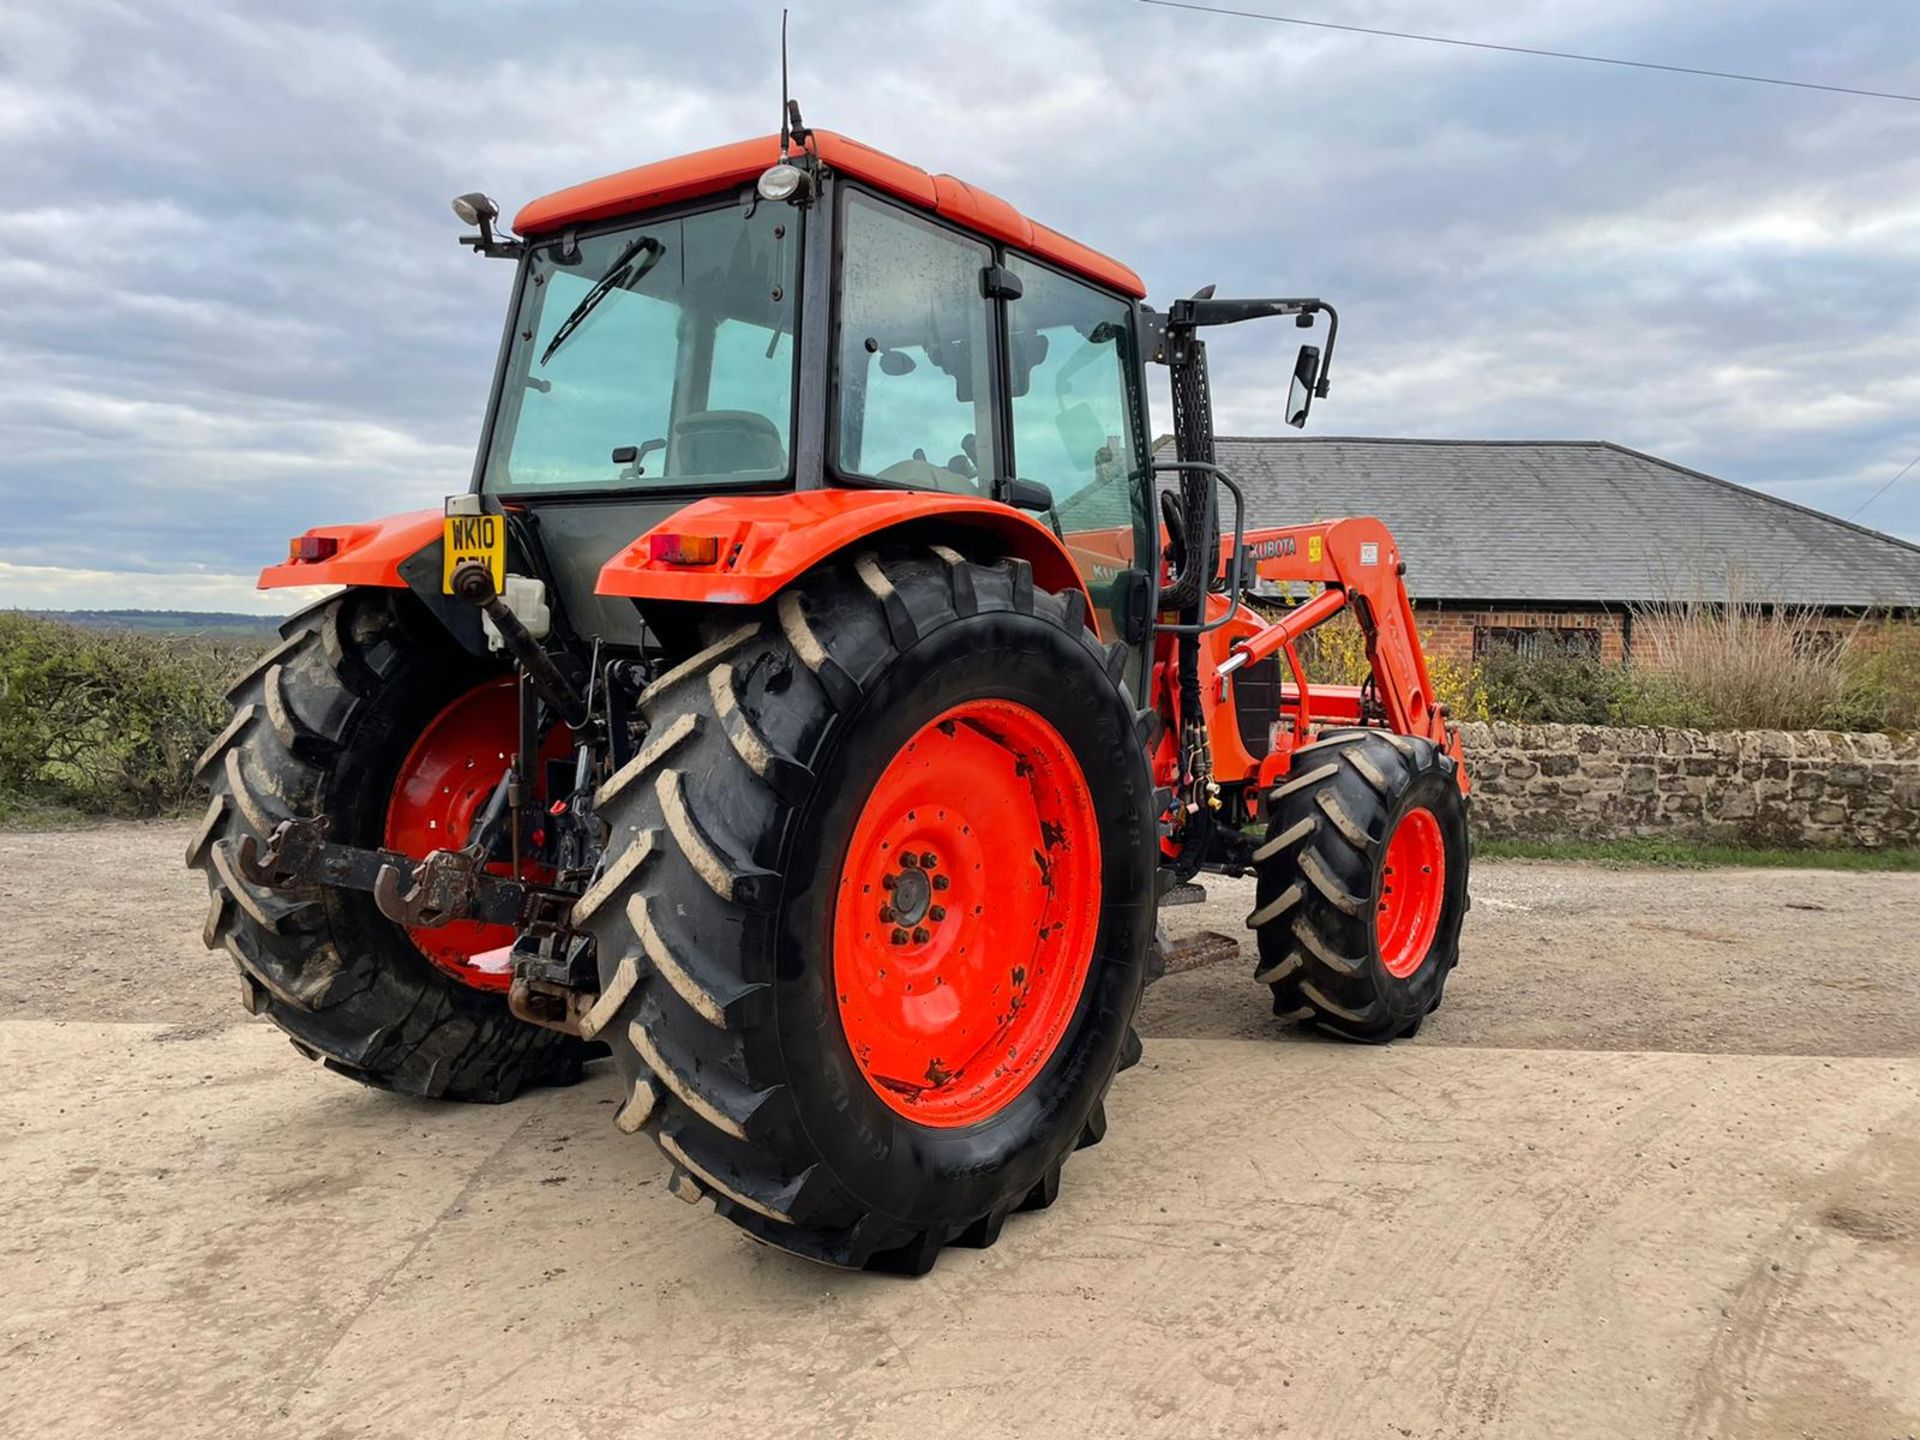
(1693, 855)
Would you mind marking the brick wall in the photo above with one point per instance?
(1449, 631)
(1764, 787)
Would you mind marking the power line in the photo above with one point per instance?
(1526, 50)
(1886, 487)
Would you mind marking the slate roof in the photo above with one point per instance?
(1570, 521)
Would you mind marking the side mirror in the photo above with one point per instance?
(1306, 376)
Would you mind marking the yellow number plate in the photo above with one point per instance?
(470, 538)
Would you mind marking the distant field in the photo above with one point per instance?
(167, 622)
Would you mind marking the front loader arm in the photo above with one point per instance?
(1360, 568)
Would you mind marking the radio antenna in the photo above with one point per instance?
(793, 130)
(786, 105)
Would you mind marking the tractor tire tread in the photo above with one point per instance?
(708, 1082)
(301, 953)
(1314, 900)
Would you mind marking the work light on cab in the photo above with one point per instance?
(474, 207)
(781, 182)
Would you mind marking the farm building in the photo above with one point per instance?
(1554, 545)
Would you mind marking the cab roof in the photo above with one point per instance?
(705, 172)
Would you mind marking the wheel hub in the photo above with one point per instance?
(912, 892)
(966, 912)
(1413, 890)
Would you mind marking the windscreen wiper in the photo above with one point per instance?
(626, 271)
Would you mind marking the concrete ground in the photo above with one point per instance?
(1653, 1170)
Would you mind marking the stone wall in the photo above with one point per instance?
(1764, 787)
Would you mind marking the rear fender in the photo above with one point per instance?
(369, 554)
(399, 552)
(765, 542)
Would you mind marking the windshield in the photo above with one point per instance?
(657, 354)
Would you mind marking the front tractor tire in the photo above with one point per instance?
(368, 713)
(875, 910)
(1362, 884)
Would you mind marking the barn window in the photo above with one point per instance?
(1537, 642)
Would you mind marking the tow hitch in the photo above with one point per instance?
(447, 885)
(553, 970)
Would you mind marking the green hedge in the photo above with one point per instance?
(108, 722)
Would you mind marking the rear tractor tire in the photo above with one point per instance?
(368, 713)
(874, 915)
(1362, 884)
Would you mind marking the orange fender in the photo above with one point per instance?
(764, 542)
(369, 554)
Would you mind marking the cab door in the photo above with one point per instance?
(1078, 427)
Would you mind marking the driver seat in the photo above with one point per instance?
(727, 442)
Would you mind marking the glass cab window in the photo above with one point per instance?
(658, 354)
(1073, 414)
(915, 361)
(1076, 423)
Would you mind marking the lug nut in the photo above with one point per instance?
(899, 936)
(921, 934)
(940, 882)
(887, 882)
(909, 859)
(886, 914)
(937, 913)
(930, 860)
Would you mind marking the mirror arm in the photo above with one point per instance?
(1326, 356)
(488, 244)
(1209, 311)
(1192, 314)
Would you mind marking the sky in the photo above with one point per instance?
(232, 305)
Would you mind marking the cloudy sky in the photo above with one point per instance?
(231, 305)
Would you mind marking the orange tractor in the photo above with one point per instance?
(814, 699)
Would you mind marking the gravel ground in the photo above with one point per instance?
(106, 926)
(1575, 957)
(1654, 1169)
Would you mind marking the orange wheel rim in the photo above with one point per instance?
(1413, 891)
(966, 912)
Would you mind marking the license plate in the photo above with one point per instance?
(474, 538)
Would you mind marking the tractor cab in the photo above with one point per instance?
(741, 322)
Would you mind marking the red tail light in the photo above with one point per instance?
(312, 549)
(684, 549)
